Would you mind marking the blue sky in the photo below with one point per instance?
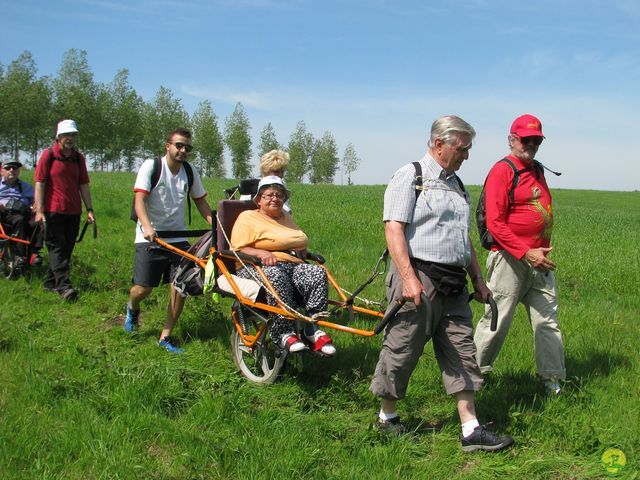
(375, 73)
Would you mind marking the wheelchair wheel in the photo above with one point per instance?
(9, 264)
(261, 363)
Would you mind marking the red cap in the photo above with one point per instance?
(527, 126)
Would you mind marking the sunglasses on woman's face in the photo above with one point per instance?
(269, 196)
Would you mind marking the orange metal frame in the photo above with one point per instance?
(4, 236)
(250, 340)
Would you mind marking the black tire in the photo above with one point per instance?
(261, 363)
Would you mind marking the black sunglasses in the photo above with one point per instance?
(179, 145)
(11, 167)
(537, 141)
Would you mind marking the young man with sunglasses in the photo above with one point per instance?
(16, 213)
(160, 207)
(519, 270)
(62, 185)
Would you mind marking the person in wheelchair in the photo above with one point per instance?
(16, 214)
(270, 234)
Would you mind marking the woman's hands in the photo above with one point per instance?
(266, 257)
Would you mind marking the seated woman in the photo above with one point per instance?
(269, 233)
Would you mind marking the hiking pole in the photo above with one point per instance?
(397, 305)
(494, 311)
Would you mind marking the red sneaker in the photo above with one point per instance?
(321, 343)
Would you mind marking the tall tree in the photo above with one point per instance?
(161, 116)
(268, 140)
(208, 141)
(126, 117)
(350, 161)
(324, 160)
(26, 102)
(300, 150)
(237, 138)
(76, 97)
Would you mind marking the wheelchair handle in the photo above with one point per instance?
(398, 303)
(494, 311)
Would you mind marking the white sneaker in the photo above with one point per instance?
(321, 343)
(292, 344)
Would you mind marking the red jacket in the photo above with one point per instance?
(526, 222)
(62, 178)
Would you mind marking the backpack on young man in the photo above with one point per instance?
(486, 239)
(155, 179)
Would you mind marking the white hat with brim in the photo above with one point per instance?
(66, 126)
(272, 180)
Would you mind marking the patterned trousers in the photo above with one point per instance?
(291, 281)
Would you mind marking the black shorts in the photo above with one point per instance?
(153, 263)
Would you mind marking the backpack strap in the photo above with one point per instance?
(189, 171)
(419, 179)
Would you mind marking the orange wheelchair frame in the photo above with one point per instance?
(255, 355)
(11, 265)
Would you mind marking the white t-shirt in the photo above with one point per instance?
(166, 202)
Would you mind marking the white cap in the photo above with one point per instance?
(66, 126)
(272, 180)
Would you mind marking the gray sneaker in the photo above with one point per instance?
(553, 387)
(393, 426)
(483, 439)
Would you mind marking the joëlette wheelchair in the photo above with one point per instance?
(255, 355)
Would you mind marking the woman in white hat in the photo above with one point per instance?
(270, 234)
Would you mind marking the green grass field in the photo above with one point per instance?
(80, 399)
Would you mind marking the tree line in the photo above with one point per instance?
(118, 127)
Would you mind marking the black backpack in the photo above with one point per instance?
(189, 277)
(155, 178)
(486, 239)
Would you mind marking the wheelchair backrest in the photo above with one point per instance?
(228, 211)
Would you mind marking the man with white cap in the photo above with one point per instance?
(519, 218)
(16, 214)
(62, 182)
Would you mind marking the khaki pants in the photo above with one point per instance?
(406, 335)
(516, 281)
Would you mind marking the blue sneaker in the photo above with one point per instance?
(131, 323)
(168, 344)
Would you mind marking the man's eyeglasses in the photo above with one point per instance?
(269, 196)
(11, 167)
(537, 141)
(179, 145)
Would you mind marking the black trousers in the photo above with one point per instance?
(62, 231)
(25, 228)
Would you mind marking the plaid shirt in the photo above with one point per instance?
(438, 223)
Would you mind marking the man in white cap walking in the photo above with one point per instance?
(62, 181)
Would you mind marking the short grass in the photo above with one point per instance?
(79, 399)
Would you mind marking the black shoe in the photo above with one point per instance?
(69, 295)
(393, 426)
(483, 439)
